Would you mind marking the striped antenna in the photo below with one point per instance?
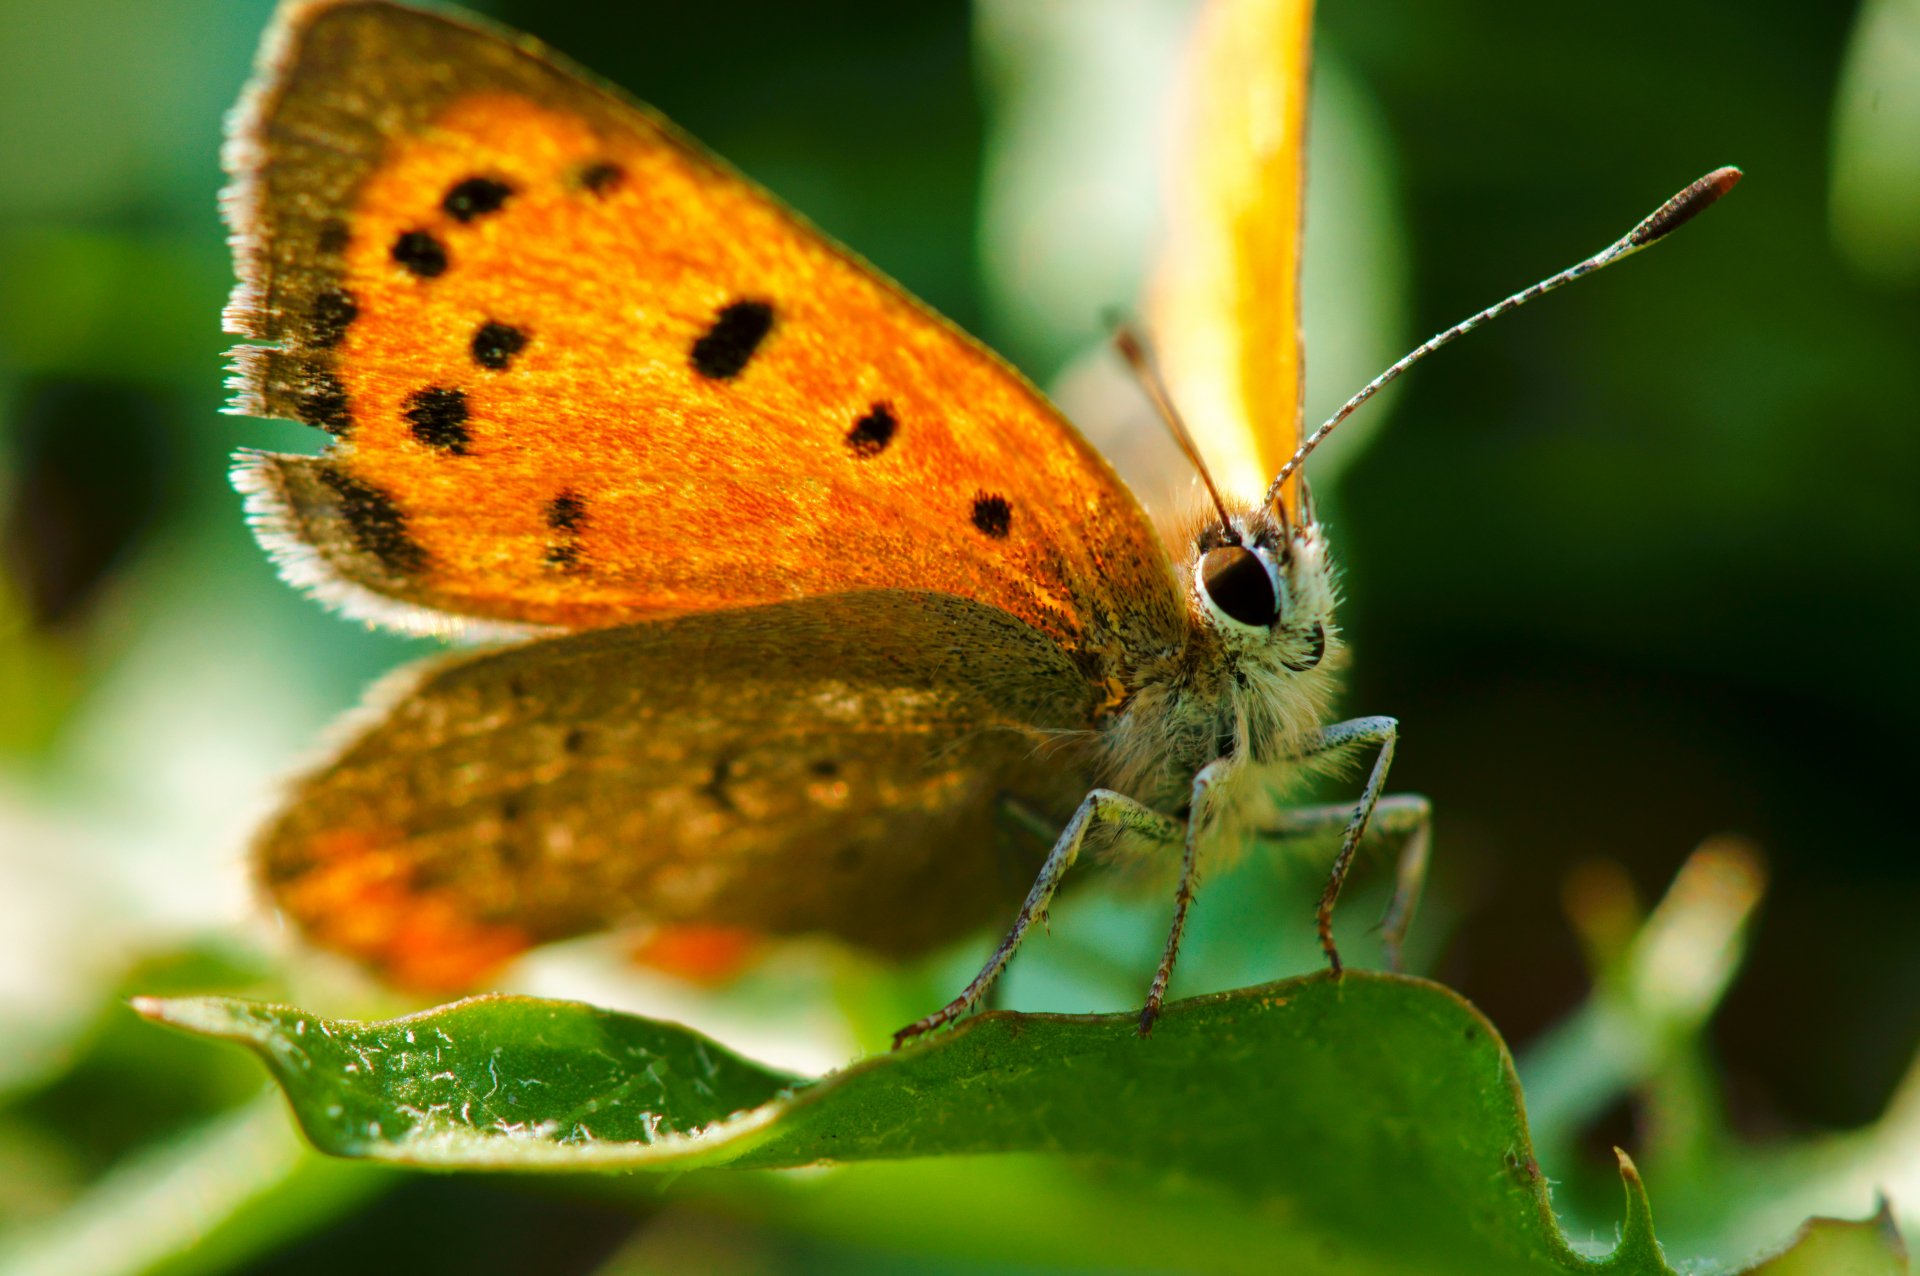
(1666, 219)
(1134, 352)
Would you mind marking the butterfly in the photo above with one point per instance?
(815, 605)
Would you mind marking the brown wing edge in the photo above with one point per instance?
(326, 540)
(283, 379)
(253, 308)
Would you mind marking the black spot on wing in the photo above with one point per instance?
(475, 197)
(871, 433)
(333, 237)
(992, 515)
(722, 352)
(333, 313)
(717, 782)
(566, 512)
(437, 416)
(323, 403)
(420, 253)
(495, 344)
(602, 178)
(374, 522)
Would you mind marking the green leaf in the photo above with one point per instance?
(497, 1082)
(1377, 1109)
(1842, 1247)
(1377, 1115)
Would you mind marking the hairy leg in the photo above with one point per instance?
(1381, 733)
(1102, 807)
(1203, 783)
(1403, 817)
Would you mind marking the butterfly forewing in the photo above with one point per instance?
(844, 777)
(580, 374)
(1227, 297)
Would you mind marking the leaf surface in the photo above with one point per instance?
(1378, 1111)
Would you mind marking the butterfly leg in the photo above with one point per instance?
(1409, 873)
(1404, 817)
(1203, 783)
(1102, 806)
(1383, 733)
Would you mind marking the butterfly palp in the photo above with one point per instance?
(1316, 650)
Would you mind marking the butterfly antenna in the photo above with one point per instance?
(1666, 219)
(1128, 343)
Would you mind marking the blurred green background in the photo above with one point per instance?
(1637, 566)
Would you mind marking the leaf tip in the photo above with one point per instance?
(207, 1016)
(1636, 1234)
(1888, 1227)
(154, 1008)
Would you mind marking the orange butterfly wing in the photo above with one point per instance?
(833, 765)
(581, 373)
(1226, 300)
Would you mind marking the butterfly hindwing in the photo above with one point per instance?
(579, 373)
(841, 778)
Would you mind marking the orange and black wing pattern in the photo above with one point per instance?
(579, 373)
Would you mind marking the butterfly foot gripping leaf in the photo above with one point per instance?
(819, 585)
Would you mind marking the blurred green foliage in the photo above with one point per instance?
(1636, 566)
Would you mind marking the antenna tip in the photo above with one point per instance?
(1685, 206)
(1127, 341)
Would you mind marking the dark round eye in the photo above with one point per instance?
(1237, 583)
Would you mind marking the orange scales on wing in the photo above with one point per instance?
(580, 374)
(708, 955)
(361, 898)
(595, 377)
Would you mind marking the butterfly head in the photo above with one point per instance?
(1261, 585)
(1259, 577)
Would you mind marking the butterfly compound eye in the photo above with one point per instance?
(1237, 583)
